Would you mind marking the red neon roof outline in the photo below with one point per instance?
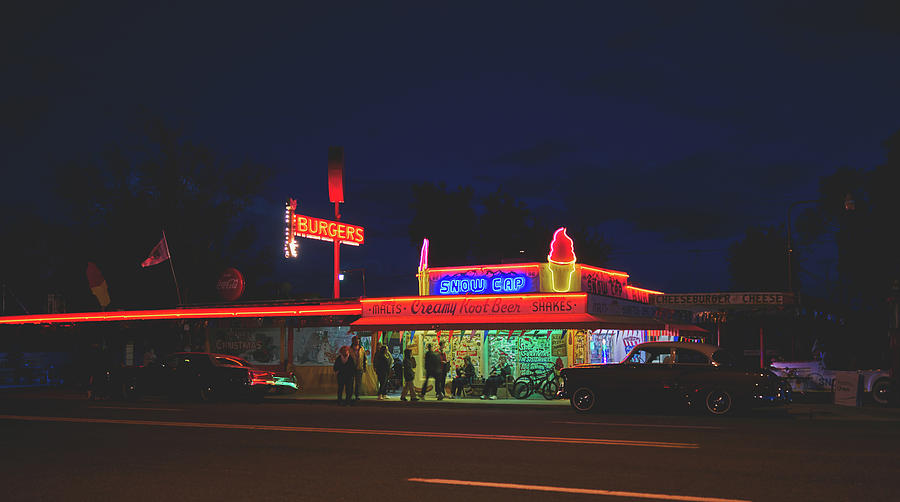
(225, 312)
(474, 297)
(482, 267)
(652, 292)
(605, 270)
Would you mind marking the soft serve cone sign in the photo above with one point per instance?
(562, 260)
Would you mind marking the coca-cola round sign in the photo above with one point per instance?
(230, 285)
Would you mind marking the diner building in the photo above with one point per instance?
(537, 315)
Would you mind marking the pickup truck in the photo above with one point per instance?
(814, 376)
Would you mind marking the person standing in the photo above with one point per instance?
(443, 369)
(358, 354)
(345, 370)
(383, 362)
(409, 375)
(432, 369)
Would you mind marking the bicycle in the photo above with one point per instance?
(544, 380)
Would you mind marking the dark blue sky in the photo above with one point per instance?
(670, 126)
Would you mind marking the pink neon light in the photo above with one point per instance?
(562, 249)
(207, 313)
(423, 255)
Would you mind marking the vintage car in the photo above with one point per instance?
(666, 374)
(198, 375)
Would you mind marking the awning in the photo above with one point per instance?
(687, 327)
(527, 321)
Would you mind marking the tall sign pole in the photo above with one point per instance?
(310, 227)
(336, 195)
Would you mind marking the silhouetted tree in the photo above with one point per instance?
(758, 262)
(121, 203)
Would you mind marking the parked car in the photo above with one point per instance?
(198, 375)
(285, 382)
(666, 374)
(814, 376)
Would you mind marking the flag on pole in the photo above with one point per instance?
(159, 254)
(97, 284)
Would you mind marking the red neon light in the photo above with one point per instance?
(506, 266)
(143, 315)
(471, 297)
(650, 291)
(562, 248)
(605, 271)
(325, 230)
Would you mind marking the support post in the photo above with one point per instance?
(337, 255)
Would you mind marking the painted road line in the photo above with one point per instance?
(664, 426)
(563, 489)
(369, 432)
(132, 408)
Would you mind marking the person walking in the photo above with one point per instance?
(383, 362)
(409, 375)
(359, 358)
(443, 369)
(345, 370)
(432, 370)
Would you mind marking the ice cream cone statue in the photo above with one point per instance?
(562, 260)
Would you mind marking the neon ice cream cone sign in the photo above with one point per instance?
(562, 260)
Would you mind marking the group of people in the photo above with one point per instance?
(350, 365)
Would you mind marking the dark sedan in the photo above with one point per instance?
(198, 375)
(665, 374)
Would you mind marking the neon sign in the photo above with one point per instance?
(561, 260)
(298, 225)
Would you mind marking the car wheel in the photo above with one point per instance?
(719, 402)
(206, 393)
(129, 392)
(881, 391)
(583, 400)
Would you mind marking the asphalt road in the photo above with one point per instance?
(57, 448)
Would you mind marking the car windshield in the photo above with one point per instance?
(231, 361)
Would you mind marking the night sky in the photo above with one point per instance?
(670, 126)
